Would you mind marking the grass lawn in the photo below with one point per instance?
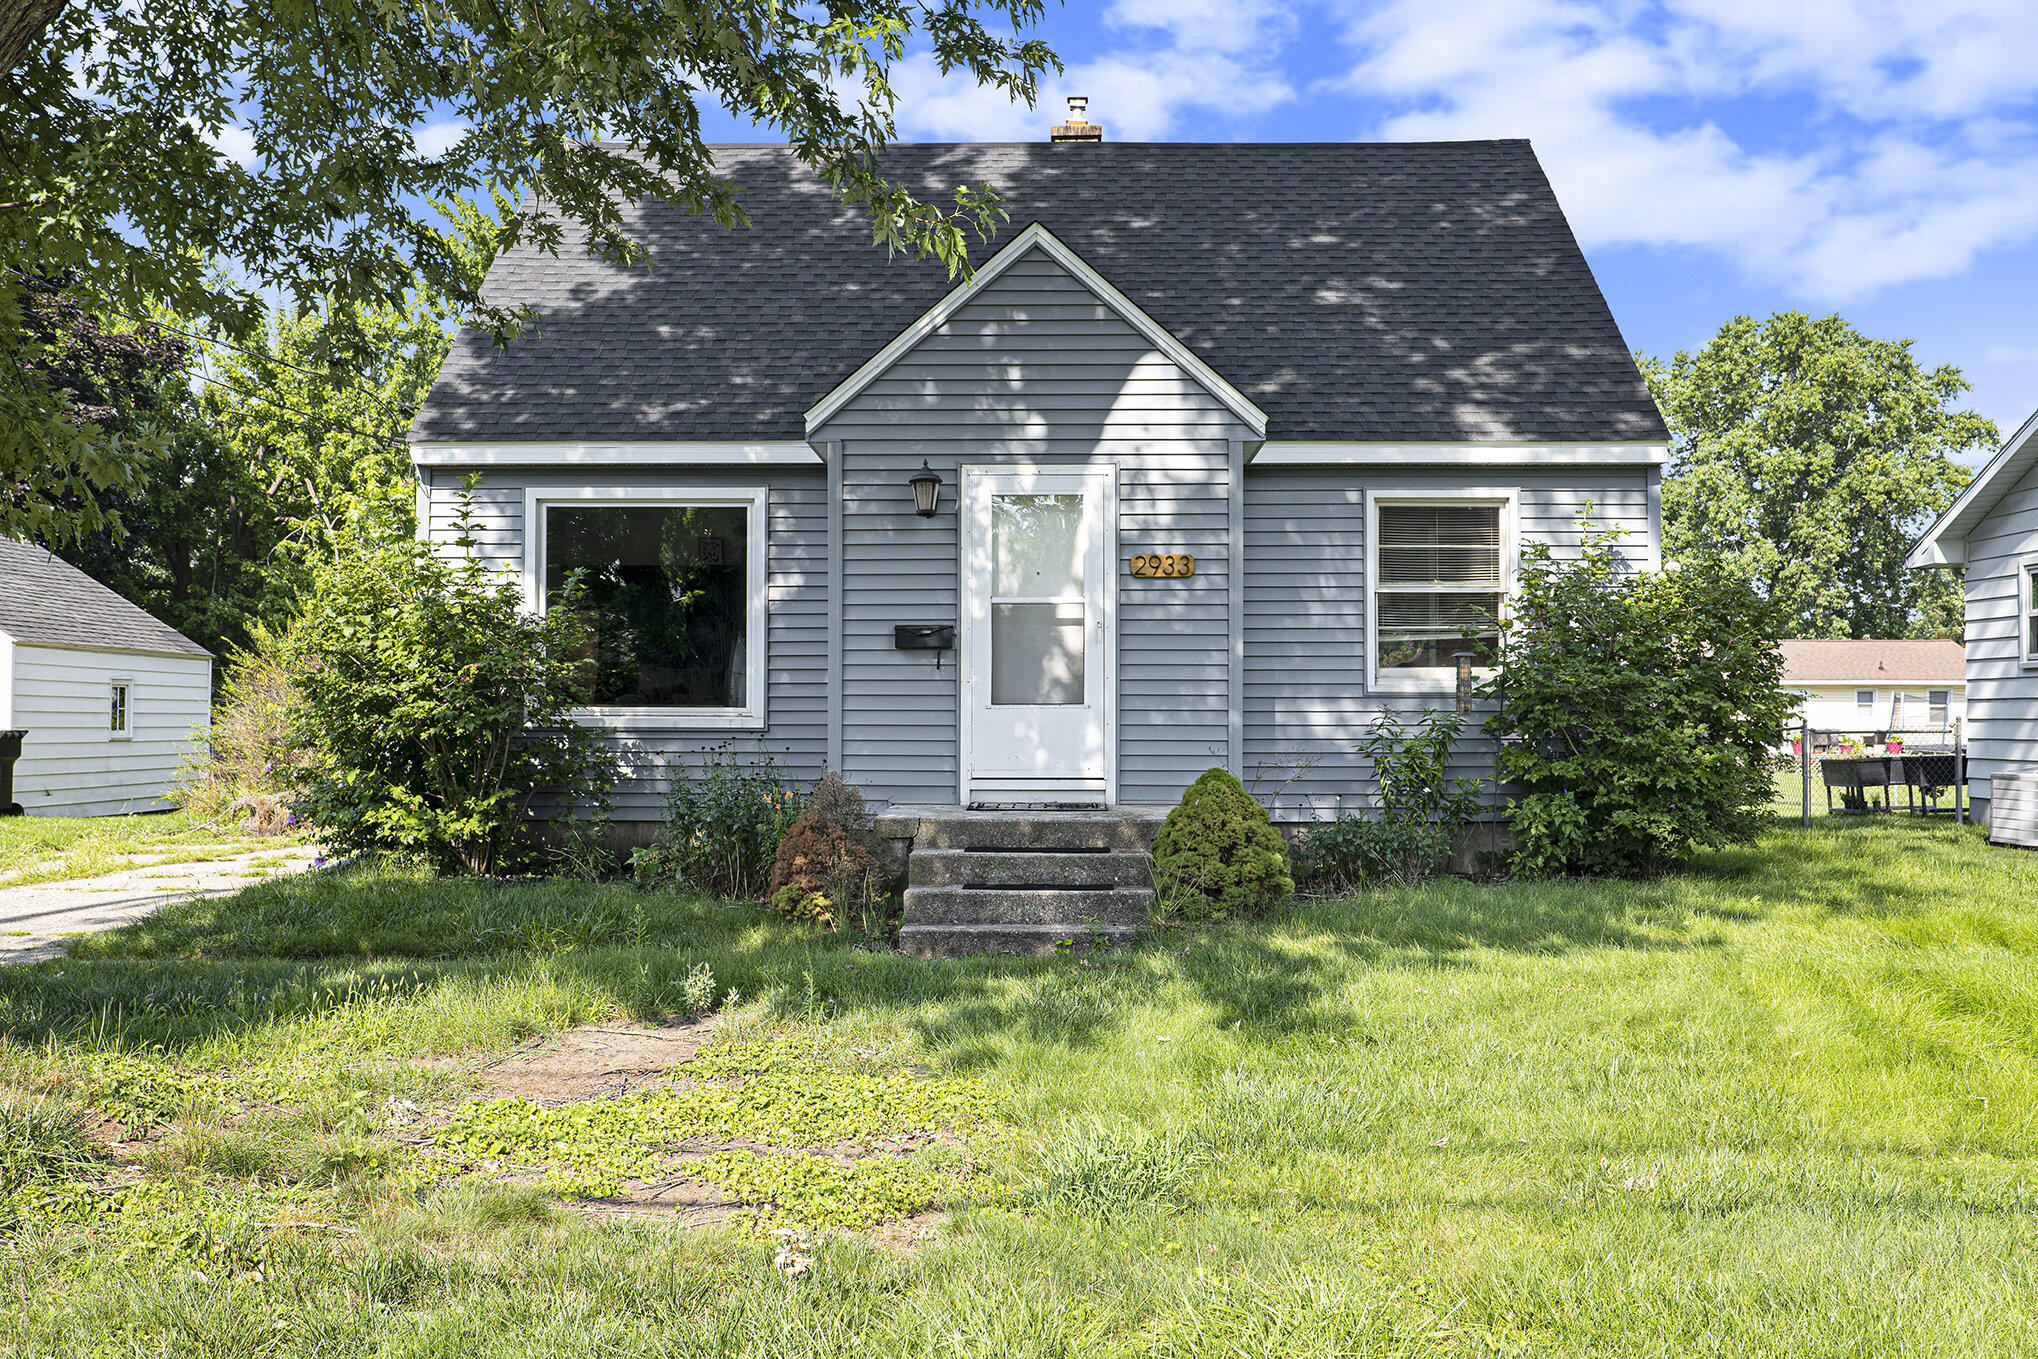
(37, 849)
(1780, 1104)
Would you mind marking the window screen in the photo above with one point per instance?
(1440, 584)
(667, 595)
(1864, 699)
(1936, 701)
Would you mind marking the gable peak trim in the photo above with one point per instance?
(1036, 236)
(1945, 543)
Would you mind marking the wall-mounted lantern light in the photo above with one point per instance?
(926, 484)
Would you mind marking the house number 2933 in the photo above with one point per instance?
(1163, 564)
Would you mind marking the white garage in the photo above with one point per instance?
(111, 699)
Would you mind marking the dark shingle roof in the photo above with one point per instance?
(46, 601)
(1382, 291)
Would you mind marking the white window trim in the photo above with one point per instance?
(1433, 680)
(126, 733)
(757, 500)
(2027, 655)
(1869, 706)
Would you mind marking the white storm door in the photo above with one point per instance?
(1038, 646)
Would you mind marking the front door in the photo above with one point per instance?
(1038, 650)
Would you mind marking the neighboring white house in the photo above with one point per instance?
(1990, 535)
(111, 698)
(1876, 684)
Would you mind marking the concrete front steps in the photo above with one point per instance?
(1026, 882)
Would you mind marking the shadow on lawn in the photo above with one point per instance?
(306, 948)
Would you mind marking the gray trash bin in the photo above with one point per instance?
(10, 751)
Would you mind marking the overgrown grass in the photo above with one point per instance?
(35, 849)
(1777, 1105)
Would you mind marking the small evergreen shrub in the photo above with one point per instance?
(722, 827)
(1218, 855)
(1640, 711)
(828, 862)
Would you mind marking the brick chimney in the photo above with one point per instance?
(1076, 129)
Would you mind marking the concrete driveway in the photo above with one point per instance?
(35, 921)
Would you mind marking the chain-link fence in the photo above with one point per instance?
(1920, 771)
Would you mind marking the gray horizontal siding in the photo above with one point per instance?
(1306, 698)
(796, 651)
(2002, 695)
(1034, 370)
(70, 764)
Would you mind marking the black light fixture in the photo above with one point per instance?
(926, 484)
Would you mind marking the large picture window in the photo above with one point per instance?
(672, 594)
(1441, 572)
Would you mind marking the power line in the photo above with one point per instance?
(317, 420)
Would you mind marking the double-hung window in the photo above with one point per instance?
(1864, 702)
(2029, 612)
(1936, 704)
(118, 716)
(1441, 571)
(671, 584)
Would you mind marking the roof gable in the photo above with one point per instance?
(1036, 238)
(1350, 291)
(1945, 543)
(46, 601)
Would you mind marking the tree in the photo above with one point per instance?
(270, 460)
(1806, 458)
(356, 111)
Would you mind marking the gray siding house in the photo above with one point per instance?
(1990, 535)
(1236, 444)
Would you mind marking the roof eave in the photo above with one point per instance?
(1944, 545)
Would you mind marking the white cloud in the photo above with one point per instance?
(236, 143)
(437, 139)
(1215, 55)
(1904, 160)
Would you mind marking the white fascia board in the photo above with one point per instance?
(663, 453)
(1038, 236)
(1945, 543)
(1298, 453)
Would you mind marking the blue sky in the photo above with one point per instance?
(1878, 158)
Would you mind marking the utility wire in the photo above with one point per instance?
(318, 421)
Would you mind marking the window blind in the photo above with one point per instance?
(1440, 584)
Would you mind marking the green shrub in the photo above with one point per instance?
(722, 827)
(1423, 810)
(249, 750)
(1218, 855)
(1640, 711)
(433, 708)
(829, 862)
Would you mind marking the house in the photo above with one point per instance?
(1220, 451)
(1877, 684)
(1990, 535)
(112, 700)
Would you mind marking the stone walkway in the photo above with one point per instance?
(36, 920)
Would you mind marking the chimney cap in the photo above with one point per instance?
(1077, 128)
